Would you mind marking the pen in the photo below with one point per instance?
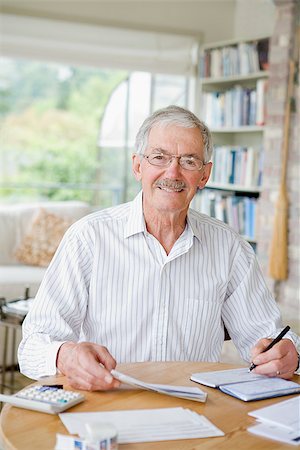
(277, 339)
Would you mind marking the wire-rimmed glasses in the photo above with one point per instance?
(162, 159)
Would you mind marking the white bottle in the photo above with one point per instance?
(101, 435)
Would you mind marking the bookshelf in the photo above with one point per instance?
(233, 77)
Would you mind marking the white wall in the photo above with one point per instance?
(214, 18)
(210, 20)
(254, 18)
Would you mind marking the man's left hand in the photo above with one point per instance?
(280, 361)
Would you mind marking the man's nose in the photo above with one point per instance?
(174, 164)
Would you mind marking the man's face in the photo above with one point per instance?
(171, 188)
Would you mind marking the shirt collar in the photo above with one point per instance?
(136, 222)
(192, 224)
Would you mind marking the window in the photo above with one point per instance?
(50, 120)
(50, 117)
(134, 99)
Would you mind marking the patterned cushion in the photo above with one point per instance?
(41, 241)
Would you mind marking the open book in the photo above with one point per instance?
(189, 393)
(245, 385)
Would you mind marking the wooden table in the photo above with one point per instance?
(29, 430)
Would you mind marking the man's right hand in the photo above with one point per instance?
(87, 366)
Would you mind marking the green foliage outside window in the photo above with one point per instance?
(50, 118)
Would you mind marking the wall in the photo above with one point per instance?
(283, 48)
(254, 18)
(215, 19)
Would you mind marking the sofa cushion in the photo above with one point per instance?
(15, 221)
(40, 243)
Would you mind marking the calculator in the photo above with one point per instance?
(47, 399)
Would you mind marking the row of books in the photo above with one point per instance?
(237, 165)
(241, 59)
(235, 107)
(238, 212)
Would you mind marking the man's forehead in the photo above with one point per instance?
(174, 133)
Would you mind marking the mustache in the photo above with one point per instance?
(170, 184)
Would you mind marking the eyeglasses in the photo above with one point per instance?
(164, 160)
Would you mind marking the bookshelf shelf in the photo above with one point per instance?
(234, 187)
(232, 86)
(235, 79)
(232, 42)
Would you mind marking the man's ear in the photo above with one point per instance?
(136, 166)
(205, 175)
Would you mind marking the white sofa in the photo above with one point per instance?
(15, 221)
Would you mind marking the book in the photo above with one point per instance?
(245, 385)
(186, 392)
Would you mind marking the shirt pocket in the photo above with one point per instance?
(198, 317)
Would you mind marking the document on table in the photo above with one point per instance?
(222, 377)
(186, 392)
(285, 414)
(145, 425)
(280, 422)
(276, 433)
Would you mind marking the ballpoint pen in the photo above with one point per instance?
(277, 339)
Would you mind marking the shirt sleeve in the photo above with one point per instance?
(250, 311)
(59, 308)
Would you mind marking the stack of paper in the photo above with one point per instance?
(189, 393)
(280, 422)
(145, 425)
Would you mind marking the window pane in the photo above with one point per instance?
(50, 118)
(139, 103)
(169, 90)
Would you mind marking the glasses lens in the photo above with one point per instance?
(190, 163)
(159, 159)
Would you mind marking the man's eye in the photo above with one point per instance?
(158, 157)
(189, 162)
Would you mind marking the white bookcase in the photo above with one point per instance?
(232, 88)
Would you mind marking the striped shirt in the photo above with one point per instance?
(112, 283)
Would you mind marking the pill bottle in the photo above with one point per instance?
(101, 436)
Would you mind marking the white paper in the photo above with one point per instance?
(19, 306)
(145, 425)
(190, 393)
(286, 414)
(222, 377)
(276, 433)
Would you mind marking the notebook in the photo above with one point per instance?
(245, 385)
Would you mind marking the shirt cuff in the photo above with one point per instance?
(51, 357)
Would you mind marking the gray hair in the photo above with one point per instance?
(173, 115)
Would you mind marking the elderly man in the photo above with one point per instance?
(152, 280)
